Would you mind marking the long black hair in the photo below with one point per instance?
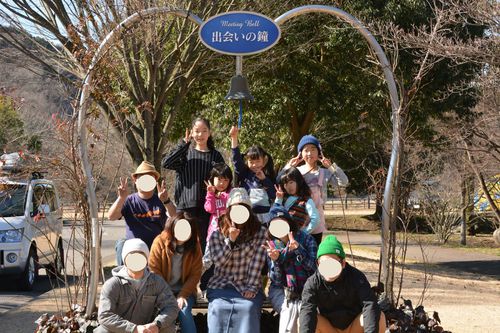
(221, 170)
(210, 141)
(294, 174)
(256, 152)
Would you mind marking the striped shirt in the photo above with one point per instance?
(237, 264)
(192, 168)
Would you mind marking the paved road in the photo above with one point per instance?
(73, 237)
(466, 261)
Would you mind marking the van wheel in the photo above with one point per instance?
(30, 273)
(55, 270)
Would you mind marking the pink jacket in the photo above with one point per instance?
(215, 204)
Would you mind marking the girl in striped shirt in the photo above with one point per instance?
(192, 159)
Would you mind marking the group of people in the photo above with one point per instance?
(229, 237)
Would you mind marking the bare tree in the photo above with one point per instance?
(142, 83)
(439, 40)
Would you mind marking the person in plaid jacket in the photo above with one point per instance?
(235, 290)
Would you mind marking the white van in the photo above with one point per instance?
(30, 229)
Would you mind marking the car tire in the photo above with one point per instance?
(55, 270)
(29, 275)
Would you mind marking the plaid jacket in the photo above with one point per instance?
(303, 260)
(237, 264)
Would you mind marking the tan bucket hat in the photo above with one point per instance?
(146, 167)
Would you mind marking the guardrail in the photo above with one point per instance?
(349, 203)
(71, 212)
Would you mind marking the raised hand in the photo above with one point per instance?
(187, 136)
(280, 194)
(123, 188)
(260, 174)
(272, 252)
(296, 160)
(233, 232)
(326, 162)
(292, 243)
(233, 132)
(210, 187)
(162, 191)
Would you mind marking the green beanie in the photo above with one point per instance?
(331, 245)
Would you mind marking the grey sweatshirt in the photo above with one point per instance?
(124, 304)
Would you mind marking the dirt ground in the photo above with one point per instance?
(465, 302)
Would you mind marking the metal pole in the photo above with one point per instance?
(239, 71)
(239, 65)
(393, 93)
(95, 252)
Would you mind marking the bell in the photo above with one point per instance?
(239, 89)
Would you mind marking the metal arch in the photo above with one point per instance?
(139, 16)
(82, 131)
(393, 92)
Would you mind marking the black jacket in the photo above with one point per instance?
(340, 301)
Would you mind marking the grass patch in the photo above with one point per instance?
(351, 222)
(482, 243)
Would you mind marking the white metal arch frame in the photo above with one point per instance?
(151, 12)
(396, 120)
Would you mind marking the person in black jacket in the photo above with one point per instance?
(338, 297)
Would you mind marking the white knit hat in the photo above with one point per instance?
(132, 245)
(237, 196)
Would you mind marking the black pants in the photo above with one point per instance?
(202, 219)
(317, 238)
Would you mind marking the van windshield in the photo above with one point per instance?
(12, 199)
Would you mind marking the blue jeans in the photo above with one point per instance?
(186, 317)
(118, 248)
(230, 312)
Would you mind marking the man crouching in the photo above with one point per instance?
(135, 300)
(338, 297)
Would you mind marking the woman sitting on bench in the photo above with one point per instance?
(235, 292)
(176, 255)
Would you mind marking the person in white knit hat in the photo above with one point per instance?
(235, 290)
(134, 299)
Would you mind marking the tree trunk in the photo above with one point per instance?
(300, 126)
(467, 206)
(482, 182)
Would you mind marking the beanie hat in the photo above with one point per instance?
(308, 139)
(330, 245)
(278, 211)
(238, 196)
(133, 245)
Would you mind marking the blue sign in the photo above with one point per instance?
(239, 33)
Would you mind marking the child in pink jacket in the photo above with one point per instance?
(218, 188)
